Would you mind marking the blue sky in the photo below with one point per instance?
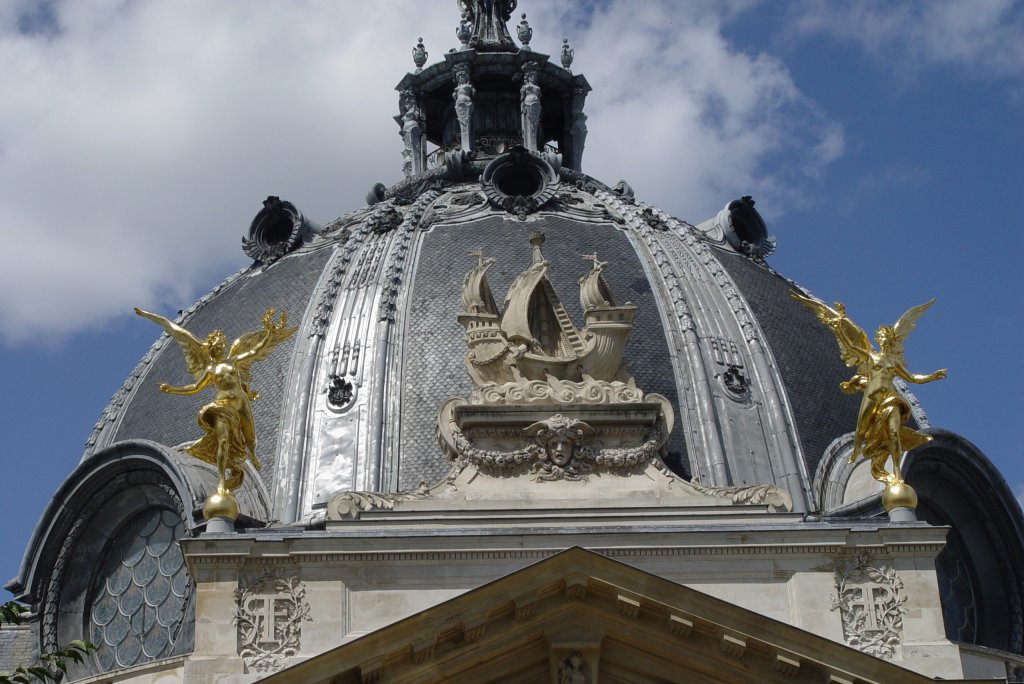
(137, 140)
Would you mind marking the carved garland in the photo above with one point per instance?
(546, 465)
(711, 264)
(647, 233)
(338, 266)
(269, 611)
(396, 266)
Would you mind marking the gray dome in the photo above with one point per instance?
(376, 297)
(350, 402)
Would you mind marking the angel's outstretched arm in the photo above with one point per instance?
(855, 384)
(255, 349)
(917, 378)
(172, 328)
(194, 388)
(256, 345)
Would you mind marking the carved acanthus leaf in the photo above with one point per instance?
(348, 505)
(751, 494)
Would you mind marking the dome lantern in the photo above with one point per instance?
(489, 96)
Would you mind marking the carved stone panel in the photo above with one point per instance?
(269, 611)
(871, 603)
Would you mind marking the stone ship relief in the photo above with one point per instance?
(554, 413)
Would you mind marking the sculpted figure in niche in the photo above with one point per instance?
(571, 670)
(578, 130)
(230, 435)
(880, 433)
(529, 97)
(463, 97)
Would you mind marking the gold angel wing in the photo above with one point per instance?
(909, 319)
(195, 352)
(257, 345)
(854, 346)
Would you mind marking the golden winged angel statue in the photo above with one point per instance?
(880, 432)
(230, 435)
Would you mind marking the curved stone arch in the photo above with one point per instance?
(842, 487)
(126, 484)
(958, 486)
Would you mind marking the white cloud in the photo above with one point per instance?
(138, 140)
(983, 36)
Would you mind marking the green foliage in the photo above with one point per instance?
(51, 666)
(10, 612)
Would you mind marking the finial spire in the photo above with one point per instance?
(489, 19)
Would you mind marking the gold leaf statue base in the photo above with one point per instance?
(899, 500)
(220, 511)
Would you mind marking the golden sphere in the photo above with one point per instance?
(899, 495)
(221, 505)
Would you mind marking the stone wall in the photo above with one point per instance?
(17, 646)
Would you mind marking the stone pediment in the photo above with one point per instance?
(580, 617)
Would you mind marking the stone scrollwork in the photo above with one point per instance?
(348, 505)
(519, 181)
(554, 391)
(752, 494)
(871, 603)
(278, 228)
(269, 611)
(465, 199)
